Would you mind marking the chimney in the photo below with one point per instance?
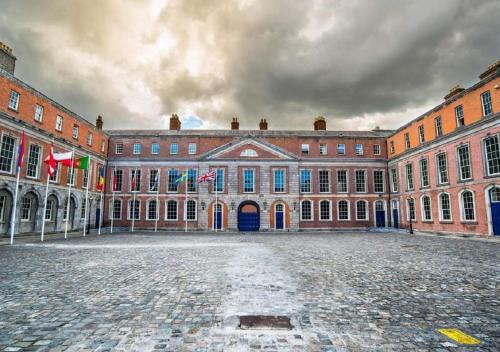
(98, 122)
(235, 125)
(453, 91)
(263, 124)
(7, 60)
(175, 123)
(492, 69)
(319, 123)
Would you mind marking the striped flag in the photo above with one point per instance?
(209, 176)
(20, 153)
(182, 178)
(100, 180)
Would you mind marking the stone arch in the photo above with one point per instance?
(6, 203)
(272, 220)
(225, 213)
(249, 216)
(28, 205)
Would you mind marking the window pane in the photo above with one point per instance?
(464, 166)
(342, 181)
(7, 153)
(305, 181)
(492, 153)
(306, 210)
(324, 181)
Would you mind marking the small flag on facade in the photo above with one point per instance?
(114, 181)
(63, 158)
(209, 176)
(182, 178)
(51, 161)
(20, 153)
(100, 181)
(82, 163)
(132, 184)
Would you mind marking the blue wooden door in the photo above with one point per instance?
(380, 218)
(248, 221)
(97, 217)
(279, 220)
(218, 218)
(395, 218)
(495, 218)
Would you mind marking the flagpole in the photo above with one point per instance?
(101, 211)
(113, 201)
(69, 192)
(157, 200)
(185, 201)
(133, 212)
(45, 206)
(13, 217)
(216, 200)
(89, 177)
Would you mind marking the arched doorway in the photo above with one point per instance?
(248, 216)
(395, 214)
(71, 219)
(494, 198)
(279, 216)
(50, 215)
(5, 210)
(379, 213)
(217, 217)
(27, 212)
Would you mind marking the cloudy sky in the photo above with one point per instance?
(361, 64)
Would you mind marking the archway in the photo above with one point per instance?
(5, 210)
(28, 208)
(279, 216)
(493, 210)
(248, 216)
(50, 215)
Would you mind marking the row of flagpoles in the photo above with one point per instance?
(52, 161)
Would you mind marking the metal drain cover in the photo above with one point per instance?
(257, 322)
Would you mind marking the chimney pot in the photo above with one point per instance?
(175, 123)
(235, 125)
(7, 59)
(99, 123)
(263, 124)
(319, 123)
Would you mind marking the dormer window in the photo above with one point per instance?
(249, 153)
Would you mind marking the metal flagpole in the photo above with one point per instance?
(112, 210)
(185, 201)
(133, 212)
(45, 206)
(89, 176)
(69, 192)
(13, 217)
(157, 201)
(215, 209)
(101, 211)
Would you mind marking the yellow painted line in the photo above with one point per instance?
(459, 336)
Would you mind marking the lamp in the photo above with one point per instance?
(294, 206)
(232, 206)
(265, 205)
(203, 205)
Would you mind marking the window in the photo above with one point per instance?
(38, 113)
(343, 210)
(65, 211)
(152, 213)
(218, 184)
(468, 208)
(248, 181)
(324, 210)
(424, 172)
(59, 123)
(376, 149)
(85, 180)
(137, 148)
(464, 167)
(438, 126)
(486, 102)
(249, 153)
(135, 180)
(342, 181)
(305, 181)
(360, 181)
(421, 134)
(409, 177)
(459, 115)
(33, 161)
(324, 181)
(407, 141)
(134, 209)
(361, 210)
(116, 214)
(103, 147)
(119, 148)
(426, 208)
(442, 164)
(279, 181)
(26, 208)
(391, 147)
(83, 209)
(49, 210)
(305, 149)
(411, 209)
(174, 148)
(359, 149)
(154, 180)
(492, 154)
(71, 176)
(192, 180)
(394, 180)
(190, 210)
(171, 212)
(192, 148)
(323, 149)
(155, 148)
(118, 181)
(75, 131)
(172, 186)
(90, 137)
(341, 149)
(14, 100)
(378, 181)
(306, 210)
(444, 207)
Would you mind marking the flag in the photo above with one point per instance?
(132, 184)
(182, 178)
(100, 180)
(209, 176)
(82, 163)
(51, 162)
(63, 158)
(20, 153)
(114, 181)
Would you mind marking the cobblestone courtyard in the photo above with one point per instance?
(342, 291)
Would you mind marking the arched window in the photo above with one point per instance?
(343, 210)
(444, 207)
(361, 210)
(116, 209)
(426, 208)
(325, 212)
(249, 153)
(306, 210)
(152, 213)
(411, 209)
(134, 209)
(171, 210)
(468, 206)
(190, 210)
(279, 207)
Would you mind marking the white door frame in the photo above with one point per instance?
(284, 216)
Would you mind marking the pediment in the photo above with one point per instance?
(249, 149)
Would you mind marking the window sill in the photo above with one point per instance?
(443, 184)
(427, 221)
(14, 110)
(465, 181)
(446, 221)
(469, 222)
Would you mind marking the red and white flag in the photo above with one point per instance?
(51, 161)
(63, 158)
(209, 176)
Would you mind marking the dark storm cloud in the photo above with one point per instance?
(359, 63)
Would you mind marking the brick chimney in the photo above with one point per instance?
(235, 125)
(492, 69)
(175, 123)
(319, 123)
(453, 91)
(263, 124)
(99, 122)
(7, 60)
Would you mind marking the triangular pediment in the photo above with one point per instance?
(249, 149)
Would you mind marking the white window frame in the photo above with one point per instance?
(14, 98)
(38, 117)
(323, 149)
(356, 181)
(377, 150)
(461, 205)
(75, 131)
(438, 128)
(359, 151)
(149, 179)
(428, 172)
(408, 209)
(341, 150)
(148, 202)
(459, 164)
(438, 170)
(118, 146)
(176, 209)
(304, 148)
(459, 117)
(174, 148)
(128, 209)
(153, 151)
(367, 213)
(59, 123)
(112, 208)
(37, 163)
(192, 148)
(483, 103)
(284, 180)
(394, 180)
(485, 154)
(421, 134)
(312, 209)
(310, 180)
(90, 138)
(347, 180)
(136, 148)
(422, 208)
(348, 210)
(195, 209)
(243, 180)
(329, 209)
(383, 181)
(408, 188)
(440, 208)
(329, 181)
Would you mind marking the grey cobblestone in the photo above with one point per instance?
(342, 292)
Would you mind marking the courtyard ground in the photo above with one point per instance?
(185, 292)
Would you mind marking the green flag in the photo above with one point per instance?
(82, 163)
(182, 178)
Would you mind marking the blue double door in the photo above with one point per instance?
(248, 217)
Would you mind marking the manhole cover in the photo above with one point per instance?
(256, 322)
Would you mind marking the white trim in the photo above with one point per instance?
(329, 181)
(128, 209)
(111, 207)
(375, 212)
(13, 163)
(422, 208)
(310, 181)
(329, 209)
(284, 215)
(195, 209)
(348, 210)
(484, 153)
(157, 209)
(407, 205)
(285, 188)
(489, 216)
(346, 180)
(222, 215)
(312, 210)
(462, 206)
(39, 162)
(243, 180)
(383, 180)
(440, 209)
(176, 209)
(356, 181)
(367, 216)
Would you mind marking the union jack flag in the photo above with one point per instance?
(209, 176)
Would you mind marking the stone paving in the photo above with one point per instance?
(165, 292)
